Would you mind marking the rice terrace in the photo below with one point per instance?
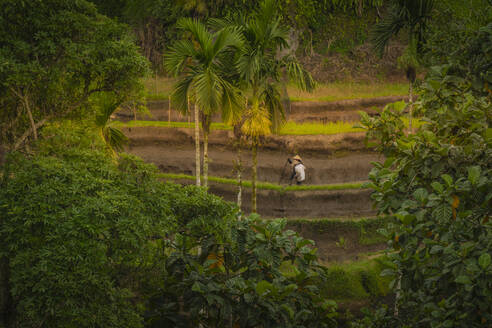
(265, 163)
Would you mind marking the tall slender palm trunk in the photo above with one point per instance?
(197, 146)
(410, 100)
(253, 178)
(205, 158)
(239, 168)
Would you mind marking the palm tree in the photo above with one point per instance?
(412, 15)
(260, 70)
(204, 78)
(256, 126)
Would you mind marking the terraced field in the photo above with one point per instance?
(332, 208)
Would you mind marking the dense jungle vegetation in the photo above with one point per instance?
(91, 236)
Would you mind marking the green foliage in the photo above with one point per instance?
(438, 183)
(412, 15)
(93, 241)
(105, 108)
(76, 234)
(235, 278)
(467, 53)
(267, 185)
(386, 128)
(201, 64)
(380, 318)
(357, 280)
(54, 55)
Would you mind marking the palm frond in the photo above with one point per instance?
(383, 31)
(106, 106)
(182, 92)
(411, 14)
(299, 75)
(114, 138)
(198, 30)
(207, 91)
(225, 39)
(178, 54)
(273, 104)
(231, 102)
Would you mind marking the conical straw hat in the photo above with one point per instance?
(298, 158)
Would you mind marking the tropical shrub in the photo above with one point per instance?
(55, 56)
(438, 183)
(90, 240)
(251, 273)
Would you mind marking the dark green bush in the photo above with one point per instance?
(438, 183)
(238, 279)
(89, 240)
(82, 235)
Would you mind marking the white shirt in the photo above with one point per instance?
(300, 174)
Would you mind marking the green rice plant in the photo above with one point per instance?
(290, 128)
(161, 87)
(336, 91)
(267, 185)
(293, 128)
(358, 280)
(366, 228)
(166, 124)
(157, 87)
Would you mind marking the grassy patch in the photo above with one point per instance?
(346, 90)
(366, 228)
(290, 128)
(166, 124)
(358, 280)
(161, 87)
(158, 88)
(266, 185)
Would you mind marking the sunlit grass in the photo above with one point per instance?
(267, 185)
(158, 87)
(348, 90)
(290, 128)
(355, 280)
(293, 128)
(161, 88)
(166, 124)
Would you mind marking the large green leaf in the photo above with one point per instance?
(484, 260)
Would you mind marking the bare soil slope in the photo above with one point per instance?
(328, 158)
(300, 111)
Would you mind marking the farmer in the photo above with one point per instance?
(298, 170)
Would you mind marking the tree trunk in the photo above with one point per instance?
(410, 99)
(398, 295)
(197, 146)
(188, 112)
(6, 302)
(205, 157)
(31, 119)
(239, 168)
(253, 178)
(169, 111)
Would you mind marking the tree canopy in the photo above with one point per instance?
(53, 56)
